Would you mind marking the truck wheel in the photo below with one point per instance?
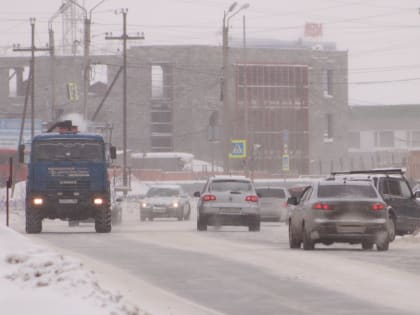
(103, 220)
(33, 221)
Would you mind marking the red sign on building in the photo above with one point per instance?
(313, 29)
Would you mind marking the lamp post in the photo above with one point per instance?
(230, 13)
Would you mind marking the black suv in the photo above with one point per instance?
(396, 192)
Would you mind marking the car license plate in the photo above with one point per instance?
(230, 210)
(350, 229)
(159, 210)
(67, 201)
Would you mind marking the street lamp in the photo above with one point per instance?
(230, 13)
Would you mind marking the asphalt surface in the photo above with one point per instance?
(236, 272)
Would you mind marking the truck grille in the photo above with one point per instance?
(68, 185)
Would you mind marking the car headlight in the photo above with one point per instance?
(175, 204)
(98, 201)
(144, 204)
(38, 201)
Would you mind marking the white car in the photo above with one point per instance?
(273, 202)
(228, 200)
(165, 201)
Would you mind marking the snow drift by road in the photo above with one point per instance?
(35, 280)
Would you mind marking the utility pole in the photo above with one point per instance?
(32, 49)
(124, 38)
(86, 52)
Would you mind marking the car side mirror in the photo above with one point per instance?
(197, 194)
(292, 201)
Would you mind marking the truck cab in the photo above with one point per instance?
(68, 178)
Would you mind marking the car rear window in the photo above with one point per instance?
(346, 190)
(230, 185)
(271, 193)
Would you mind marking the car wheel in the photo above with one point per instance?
(382, 243)
(255, 224)
(181, 214)
(308, 244)
(367, 245)
(187, 211)
(294, 242)
(391, 229)
(201, 224)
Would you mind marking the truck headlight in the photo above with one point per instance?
(98, 201)
(38, 201)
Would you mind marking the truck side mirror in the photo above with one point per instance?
(113, 152)
(21, 153)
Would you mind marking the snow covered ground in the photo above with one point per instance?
(36, 280)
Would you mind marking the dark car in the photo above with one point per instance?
(342, 211)
(228, 200)
(396, 192)
(273, 203)
(165, 201)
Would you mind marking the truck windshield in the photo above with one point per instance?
(68, 150)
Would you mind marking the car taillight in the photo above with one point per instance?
(208, 198)
(252, 198)
(322, 206)
(378, 206)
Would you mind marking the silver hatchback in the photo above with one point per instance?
(228, 200)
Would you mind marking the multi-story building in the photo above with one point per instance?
(286, 99)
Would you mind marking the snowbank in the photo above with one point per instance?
(35, 280)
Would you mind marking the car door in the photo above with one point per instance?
(397, 193)
(298, 213)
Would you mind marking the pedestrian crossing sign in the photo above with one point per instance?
(238, 149)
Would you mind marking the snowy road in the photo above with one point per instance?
(168, 267)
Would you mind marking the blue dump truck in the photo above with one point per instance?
(67, 178)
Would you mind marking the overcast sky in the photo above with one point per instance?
(381, 36)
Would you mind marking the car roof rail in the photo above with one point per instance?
(386, 171)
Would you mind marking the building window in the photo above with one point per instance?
(327, 82)
(354, 140)
(384, 139)
(18, 81)
(415, 139)
(157, 81)
(328, 134)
